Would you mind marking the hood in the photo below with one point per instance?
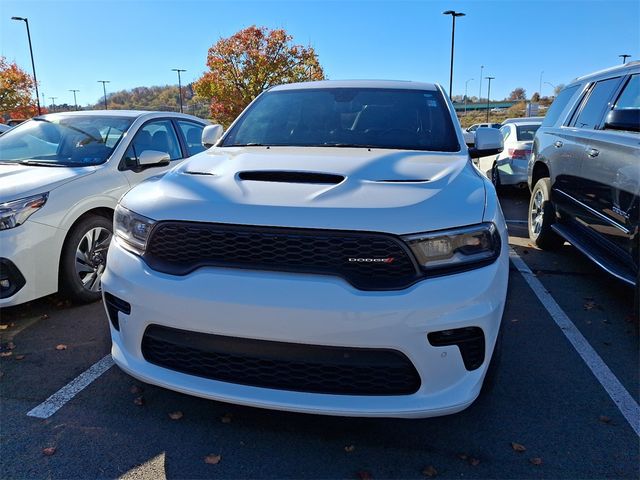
(19, 181)
(395, 191)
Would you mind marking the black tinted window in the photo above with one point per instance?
(630, 97)
(363, 117)
(596, 103)
(558, 105)
(526, 132)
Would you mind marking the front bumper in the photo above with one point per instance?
(315, 310)
(34, 251)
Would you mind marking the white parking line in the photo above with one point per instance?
(52, 404)
(625, 402)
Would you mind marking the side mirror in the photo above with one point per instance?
(488, 141)
(469, 138)
(627, 119)
(211, 134)
(153, 158)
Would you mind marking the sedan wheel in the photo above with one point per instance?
(84, 258)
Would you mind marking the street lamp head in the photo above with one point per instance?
(489, 78)
(454, 13)
(19, 18)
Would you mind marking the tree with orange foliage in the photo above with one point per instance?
(249, 62)
(16, 87)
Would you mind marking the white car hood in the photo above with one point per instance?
(19, 181)
(394, 191)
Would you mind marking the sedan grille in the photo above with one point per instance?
(369, 261)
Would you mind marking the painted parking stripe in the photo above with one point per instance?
(56, 401)
(625, 402)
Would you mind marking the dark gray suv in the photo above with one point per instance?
(584, 172)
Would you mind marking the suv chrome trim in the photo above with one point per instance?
(595, 212)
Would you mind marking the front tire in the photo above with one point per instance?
(542, 215)
(495, 177)
(84, 257)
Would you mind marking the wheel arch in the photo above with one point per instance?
(540, 170)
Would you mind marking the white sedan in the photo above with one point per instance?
(510, 166)
(61, 176)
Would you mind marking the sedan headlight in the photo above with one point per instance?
(460, 248)
(132, 229)
(16, 212)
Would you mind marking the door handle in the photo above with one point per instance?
(592, 152)
(558, 144)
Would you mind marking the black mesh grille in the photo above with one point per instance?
(282, 366)
(180, 247)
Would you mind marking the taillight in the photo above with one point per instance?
(516, 153)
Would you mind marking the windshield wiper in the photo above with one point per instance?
(344, 145)
(38, 163)
(246, 145)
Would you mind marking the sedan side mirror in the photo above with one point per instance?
(211, 134)
(627, 119)
(488, 141)
(153, 158)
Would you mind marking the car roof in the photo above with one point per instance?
(607, 72)
(124, 113)
(526, 122)
(392, 84)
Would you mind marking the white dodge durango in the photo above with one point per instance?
(335, 252)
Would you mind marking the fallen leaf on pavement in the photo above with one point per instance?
(590, 304)
(135, 389)
(49, 451)
(4, 326)
(604, 419)
(177, 415)
(515, 320)
(139, 401)
(349, 448)
(6, 354)
(19, 357)
(536, 460)
(518, 447)
(61, 346)
(463, 456)
(212, 459)
(11, 346)
(429, 471)
(226, 418)
(44, 317)
(364, 475)
(474, 461)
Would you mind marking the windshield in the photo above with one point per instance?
(526, 132)
(59, 140)
(347, 117)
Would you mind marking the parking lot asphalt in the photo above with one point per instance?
(545, 399)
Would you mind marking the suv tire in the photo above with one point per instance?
(84, 256)
(541, 216)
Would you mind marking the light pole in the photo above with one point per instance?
(53, 103)
(75, 102)
(465, 94)
(104, 89)
(33, 65)
(453, 14)
(488, 95)
(179, 84)
(540, 89)
(480, 90)
(552, 86)
(624, 58)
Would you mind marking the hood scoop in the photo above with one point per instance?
(409, 180)
(283, 176)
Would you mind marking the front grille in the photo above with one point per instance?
(281, 366)
(178, 248)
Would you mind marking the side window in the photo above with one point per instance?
(158, 135)
(506, 131)
(630, 96)
(596, 103)
(192, 133)
(559, 105)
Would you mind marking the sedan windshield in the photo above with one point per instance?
(347, 117)
(63, 140)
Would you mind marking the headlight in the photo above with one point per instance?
(132, 229)
(462, 248)
(16, 212)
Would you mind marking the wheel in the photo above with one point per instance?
(542, 216)
(84, 256)
(495, 177)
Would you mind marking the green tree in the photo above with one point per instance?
(249, 62)
(16, 87)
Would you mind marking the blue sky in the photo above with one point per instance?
(136, 43)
